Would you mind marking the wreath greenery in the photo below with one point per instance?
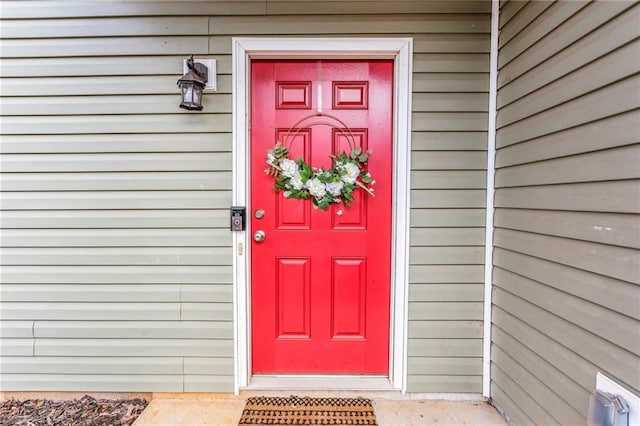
(296, 179)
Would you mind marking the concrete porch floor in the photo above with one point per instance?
(390, 410)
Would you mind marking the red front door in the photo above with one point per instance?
(320, 280)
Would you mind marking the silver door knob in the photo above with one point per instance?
(259, 236)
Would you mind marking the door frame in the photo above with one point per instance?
(400, 50)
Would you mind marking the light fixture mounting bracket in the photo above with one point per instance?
(210, 71)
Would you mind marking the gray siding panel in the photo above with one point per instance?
(337, 24)
(542, 345)
(448, 198)
(610, 132)
(16, 329)
(208, 383)
(588, 78)
(545, 16)
(447, 236)
(133, 329)
(57, 292)
(116, 219)
(96, 382)
(605, 228)
(578, 168)
(446, 273)
(194, 256)
(93, 365)
(140, 347)
(78, 47)
(447, 160)
(447, 255)
(616, 295)
(516, 414)
(541, 369)
(90, 311)
(446, 347)
(16, 9)
(449, 366)
(438, 311)
(108, 200)
(580, 341)
(17, 347)
(116, 143)
(512, 378)
(446, 383)
(608, 196)
(288, 7)
(105, 27)
(611, 100)
(106, 104)
(529, 12)
(115, 213)
(454, 63)
(615, 262)
(443, 218)
(563, 36)
(135, 237)
(165, 123)
(453, 179)
(602, 41)
(116, 274)
(102, 66)
(444, 329)
(125, 181)
(458, 82)
(618, 329)
(566, 258)
(208, 366)
(109, 85)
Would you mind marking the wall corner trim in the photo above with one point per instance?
(490, 209)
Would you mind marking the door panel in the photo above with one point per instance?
(320, 281)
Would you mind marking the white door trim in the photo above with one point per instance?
(401, 51)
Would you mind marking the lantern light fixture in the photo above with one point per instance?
(192, 84)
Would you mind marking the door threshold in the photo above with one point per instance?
(320, 382)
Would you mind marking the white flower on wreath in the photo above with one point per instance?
(335, 188)
(271, 159)
(349, 172)
(316, 188)
(289, 167)
(296, 182)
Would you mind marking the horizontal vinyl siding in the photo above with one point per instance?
(115, 200)
(448, 181)
(116, 246)
(567, 239)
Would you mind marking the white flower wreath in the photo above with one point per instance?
(296, 179)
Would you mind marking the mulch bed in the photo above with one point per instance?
(86, 411)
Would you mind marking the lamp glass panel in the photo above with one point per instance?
(187, 92)
(197, 95)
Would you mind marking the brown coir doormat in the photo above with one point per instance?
(296, 410)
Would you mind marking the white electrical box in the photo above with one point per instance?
(607, 409)
(211, 72)
(612, 404)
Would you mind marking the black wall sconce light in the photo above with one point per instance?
(192, 84)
